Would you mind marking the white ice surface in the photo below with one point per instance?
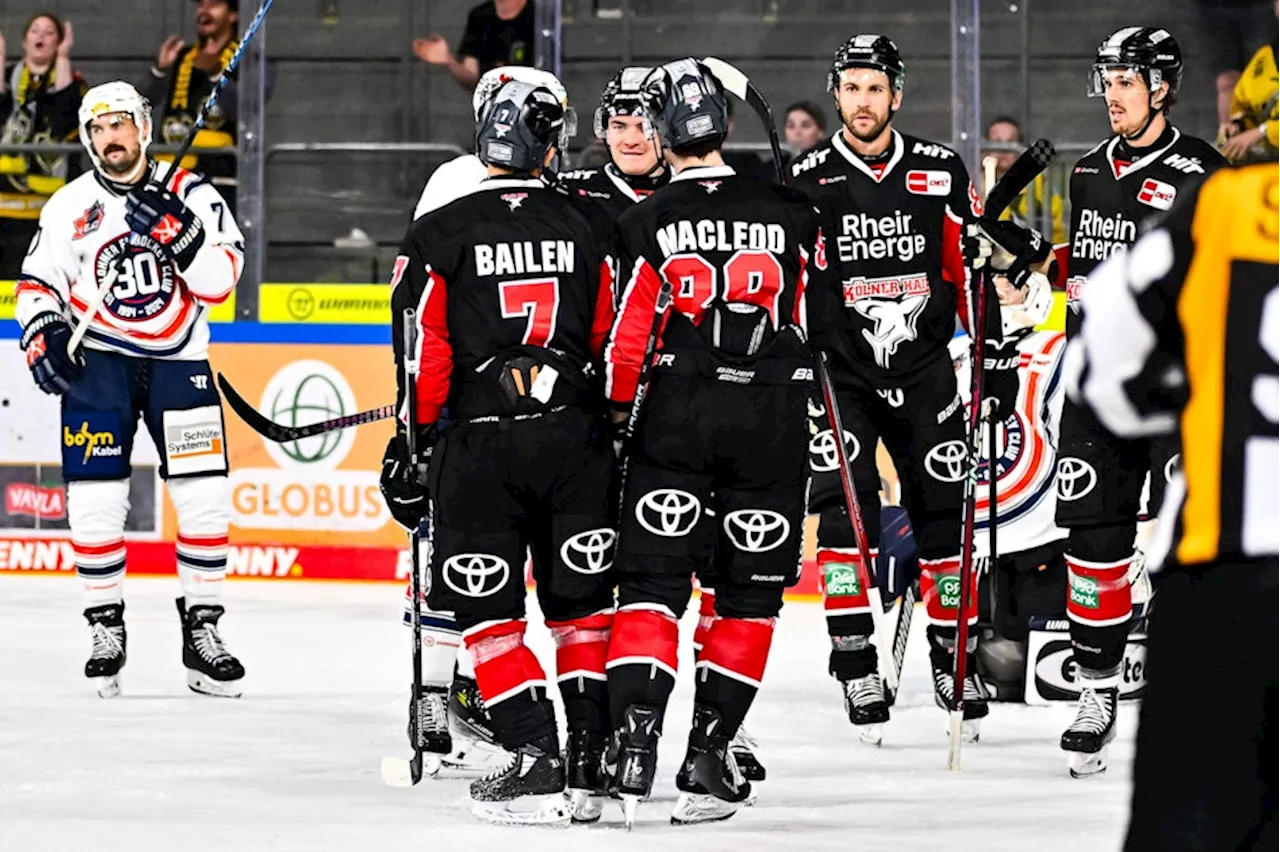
(294, 764)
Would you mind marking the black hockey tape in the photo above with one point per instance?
(1024, 170)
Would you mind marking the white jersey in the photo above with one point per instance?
(1028, 444)
(449, 182)
(154, 310)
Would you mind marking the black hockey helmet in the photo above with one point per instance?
(622, 96)
(868, 50)
(686, 104)
(1152, 52)
(518, 126)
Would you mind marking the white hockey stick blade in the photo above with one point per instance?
(884, 628)
(733, 80)
(955, 721)
(396, 773)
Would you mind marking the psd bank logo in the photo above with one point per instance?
(302, 393)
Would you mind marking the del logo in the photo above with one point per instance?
(95, 444)
(929, 182)
(1157, 193)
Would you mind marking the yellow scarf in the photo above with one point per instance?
(181, 98)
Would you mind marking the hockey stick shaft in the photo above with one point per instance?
(740, 86)
(100, 295)
(280, 434)
(993, 430)
(660, 305)
(415, 558)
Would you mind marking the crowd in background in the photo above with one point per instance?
(40, 93)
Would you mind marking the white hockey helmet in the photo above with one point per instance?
(1033, 311)
(492, 80)
(107, 98)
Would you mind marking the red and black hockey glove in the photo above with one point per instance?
(156, 211)
(45, 341)
(404, 485)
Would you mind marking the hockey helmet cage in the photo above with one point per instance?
(494, 79)
(1037, 302)
(107, 98)
(685, 104)
(1152, 52)
(869, 50)
(622, 96)
(518, 126)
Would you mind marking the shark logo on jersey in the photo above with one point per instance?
(894, 317)
(514, 199)
(89, 222)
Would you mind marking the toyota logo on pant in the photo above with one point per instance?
(822, 450)
(756, 530)
(476, 575)
(946, 461)
(589, 552)
(668, 512)
(1076, 478)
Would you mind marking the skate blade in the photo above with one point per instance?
(585, 805)
(551, 809)
(630, 804)
(871, 735)
(205, 685)
(398, 771)
(1084, 765)
(693, 808)
(109, 686)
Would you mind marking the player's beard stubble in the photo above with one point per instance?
(880, 123)
(119, 168)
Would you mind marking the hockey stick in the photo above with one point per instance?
(396, 771)
(100, 295)
(280, 434)
(890, 648)
(1024, 170)
(993, 435)
(660, 306)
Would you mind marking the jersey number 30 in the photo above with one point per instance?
(535, 298)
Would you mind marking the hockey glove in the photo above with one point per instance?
(404, 485)
(1000, 384)
(1005, 248)
(156, 211)
(45, 341)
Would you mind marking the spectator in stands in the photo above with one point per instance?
(181, 80)
(1028, 208)
(1251, 136)
(39, 97)
(805, 126)
(498, 32)
(1235, 30)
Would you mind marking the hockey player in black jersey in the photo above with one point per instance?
(894, 208)
(513, 294)
(1133, 175)
(717, 460)
(636, 167)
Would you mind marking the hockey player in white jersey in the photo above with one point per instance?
(167, 249)
(456, 729)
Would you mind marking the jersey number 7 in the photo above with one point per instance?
(754, 277)
(535, 298)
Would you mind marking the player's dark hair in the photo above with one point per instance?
(810, 109)
(701, 148)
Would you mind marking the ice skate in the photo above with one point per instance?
(1089, 735)
(584, 771)
(743, 749)
(975, 694)
(211, 669)
(711, 787)
(528, 790)
(475, 748)
(637, 762)
(865, 703)
(108, 655)
(433, 731)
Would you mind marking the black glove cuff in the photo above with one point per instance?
(38, 324)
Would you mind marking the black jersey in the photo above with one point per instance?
(1114, 188)
(616, 191)
(716, 237)
(510, 267)
(894, 227)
